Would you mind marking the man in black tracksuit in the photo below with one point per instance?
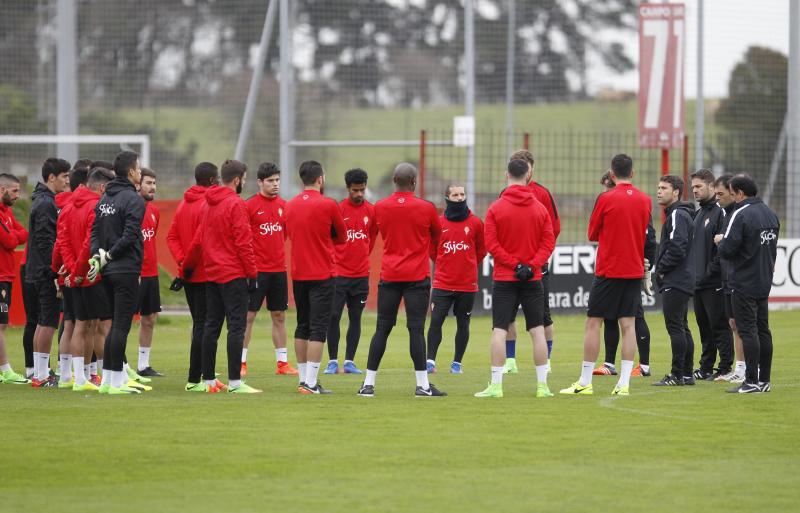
(42, 238)
(750, 244)
(715, 334)
(675, 278)
(118, 249)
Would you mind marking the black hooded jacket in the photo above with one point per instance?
(725, 265)
(708, 222)
(674, 263)
(42, 229)
(750, 244)
(117, 227)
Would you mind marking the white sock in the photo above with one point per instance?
(740, 368)
(28, 371)
(422, 379)
(645, 368)
(234, 383)
(77, 367)
(244, 355)
(43, 368)
(5, 367)
(312, 371)
(497, 375)
(106, 378)
(87, 371)
(211, 382)
(336, 362)
(36, 364)
(301, 369)
(586, 373)
(625, 373)
(65, 367)
(432, 362)
(370, 378)
(541, 373)
(348, 361)
(118, 378)
(144, 358)
(97, 366)
(282, 354)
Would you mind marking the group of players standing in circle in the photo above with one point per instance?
(231, 258)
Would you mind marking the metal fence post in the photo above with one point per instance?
(469, 68)
(793, 132)
(67, 80)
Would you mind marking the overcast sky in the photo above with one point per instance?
(731, 26)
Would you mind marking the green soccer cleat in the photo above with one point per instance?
(244, 388)
(196, 387)
(492, 390)
(577, 389)
(138, 386)
(103, 388)
(66, 384)
(618, 390)
(511, 366)
(542, 390)
(10, 377)
(123, 390)
(132, 374)
(86, 387)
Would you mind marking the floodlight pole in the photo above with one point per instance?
(286, 99)
(66, 78)
(793, 125)
(510, 55)
(469, 97)
(255, 81)
(699, 105)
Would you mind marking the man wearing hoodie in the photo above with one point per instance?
(63, 292)
(184, 225)
(709, 304)
(675, 278)
(618, 223)
(314, 224)
(352, 270)
(42, 230)
(542, 194)
(409, 227)
(89, 300)
(519, 256)
(457, 256)
(224, 243)
(267, 211)
(117, 249)
(149, 303)
(12, 234)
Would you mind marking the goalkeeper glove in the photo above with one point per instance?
(647, 282)
(523, 272)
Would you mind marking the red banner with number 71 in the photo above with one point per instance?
(662, 49)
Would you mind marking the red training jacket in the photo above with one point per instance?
(75, 233)
(268, 224)
(183, 228)
(223, 243)
(409, 227)
(541, 193)
(62, 199)
(149, 229)
(619, 224)
(518, 230)
(352, 258)
(459, 253)
(12, 234)
(314, 224)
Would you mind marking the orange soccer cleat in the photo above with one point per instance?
(604, 370)
(285, 369)
(243, 372)
(220, 386)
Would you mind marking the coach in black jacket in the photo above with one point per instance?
(675, 278)
(117, 248)
(750, 245)
(715, 334)
(42, 238)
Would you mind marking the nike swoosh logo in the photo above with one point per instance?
(446, 229)
(427, 392)
(345, 219)
(469, 313)
(363, 302)
(717, 290)
(259, 212)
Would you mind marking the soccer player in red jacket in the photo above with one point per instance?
(314, 224)
(618, 223)
(459, 253)
(89, 299)
(409, 227)
(352, 270)
(267, 213)
(519, 256)
(541, 193)
(226, 243)
(149, 295)
(184, 226)
(12, 234)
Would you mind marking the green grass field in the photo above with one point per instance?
(685, 449)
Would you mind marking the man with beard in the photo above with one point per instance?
(149, 303)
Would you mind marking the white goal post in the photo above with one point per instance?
(142, 140)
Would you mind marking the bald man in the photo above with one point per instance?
(409, 227)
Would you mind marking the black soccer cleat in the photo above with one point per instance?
(689, 380)
(746, 388)
(150, 373)
(317, 389)
(367, 391)
(765, 386)
(669, 380)
(431, 391)
(702, 375)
